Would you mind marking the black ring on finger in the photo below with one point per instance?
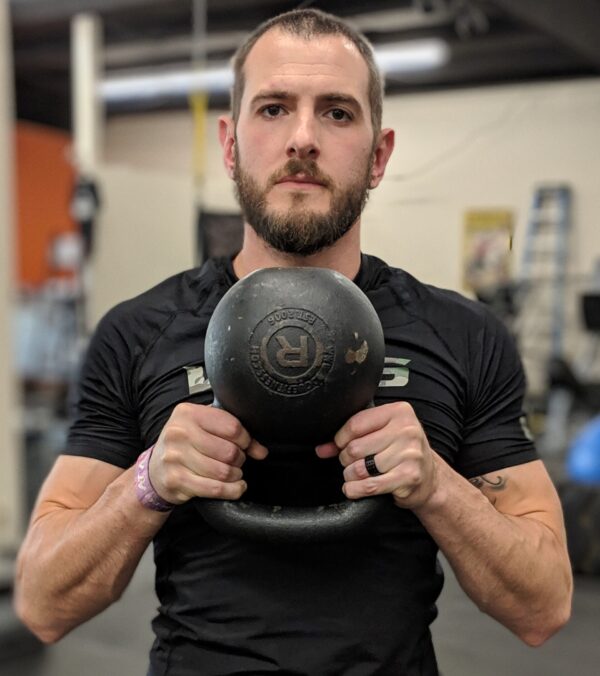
(371, 467)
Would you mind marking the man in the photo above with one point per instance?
(304, 146)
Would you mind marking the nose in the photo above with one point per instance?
(303, 142)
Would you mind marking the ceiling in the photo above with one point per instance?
(490, 41)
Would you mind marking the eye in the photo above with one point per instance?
(339, 115)
(271, 110)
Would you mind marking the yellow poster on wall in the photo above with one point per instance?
(488, 235)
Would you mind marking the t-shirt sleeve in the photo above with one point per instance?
(495, 433)
(105, 424)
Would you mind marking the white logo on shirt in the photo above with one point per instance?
(197, 380)
(395, 374)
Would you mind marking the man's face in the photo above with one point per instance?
(304, 141)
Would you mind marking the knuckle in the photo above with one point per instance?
(185, 409)
(354, 426)
(371, 487)
(171, 456)
(413, 433)
(348, 474)
(224, 472)
(403, 406)
(232, 428)
(173, 434)
(229, 453)
(215, 490)
(413, 478)
(171, 481)
(402, 412)
(353, 450)
(360, 470)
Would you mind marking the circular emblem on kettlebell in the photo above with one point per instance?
(291, 351)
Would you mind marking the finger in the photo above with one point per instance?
(205, 466)
(370, 419)
(215, 421)
(401, 480)
(329, 450)
(377, 485)
(257, 451)
(187, 450)
(214, 447)
(181, 441)
(371, 444)
(357, 471)
(204, 487)
(388, 482)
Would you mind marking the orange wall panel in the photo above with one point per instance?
(44, 181)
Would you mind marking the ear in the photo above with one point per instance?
(383, 151)
(227, 139)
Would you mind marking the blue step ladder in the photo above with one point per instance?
(545, 260)
(543, 292)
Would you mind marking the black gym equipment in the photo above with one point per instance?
(85, 204)
(581, 509)
(293, 353)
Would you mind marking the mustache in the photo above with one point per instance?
(298, 166)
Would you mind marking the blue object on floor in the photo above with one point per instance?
(583, 458)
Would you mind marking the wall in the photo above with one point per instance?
(455, 150)
(484, 148)
(145, 233)
(11, 494)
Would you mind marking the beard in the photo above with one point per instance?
(300, 230)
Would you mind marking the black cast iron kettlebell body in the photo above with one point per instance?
(293, 353)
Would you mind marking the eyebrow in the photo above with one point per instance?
(274, 94)
(282, 95)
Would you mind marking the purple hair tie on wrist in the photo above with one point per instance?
(143, 486)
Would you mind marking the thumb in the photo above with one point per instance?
(329, 450)
(257, 451)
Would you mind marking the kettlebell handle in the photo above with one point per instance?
(298, 525)
(280, 524)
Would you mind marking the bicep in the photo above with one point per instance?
(74, 483)
(524, 491)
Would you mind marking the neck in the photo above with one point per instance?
(343, 256)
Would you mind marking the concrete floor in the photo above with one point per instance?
(468, 643)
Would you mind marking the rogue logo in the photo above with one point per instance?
(291, 351)
(293, 357)
(395, 372)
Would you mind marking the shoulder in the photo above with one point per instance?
(431, 303)
(151, 310)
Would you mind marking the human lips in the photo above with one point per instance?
(300, 179)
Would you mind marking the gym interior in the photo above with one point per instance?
(111, 180)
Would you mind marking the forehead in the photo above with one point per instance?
(281, 60)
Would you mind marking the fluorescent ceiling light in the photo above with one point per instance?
(411, 57)
(165, 85)
(408, 57)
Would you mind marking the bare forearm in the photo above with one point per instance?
(75, 563)
(513, 567)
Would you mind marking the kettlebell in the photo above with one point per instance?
(293, 353)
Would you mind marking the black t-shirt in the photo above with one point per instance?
(355, 608)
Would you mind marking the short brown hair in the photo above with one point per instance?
(306, 24)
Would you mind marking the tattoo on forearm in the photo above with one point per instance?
(499, 484)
